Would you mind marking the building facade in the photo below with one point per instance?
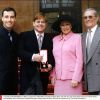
(26, 10)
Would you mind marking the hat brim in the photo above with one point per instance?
(56, 24)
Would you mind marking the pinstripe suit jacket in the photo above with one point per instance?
(92, 64)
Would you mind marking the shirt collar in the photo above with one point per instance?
(37, 33)
(6, 31)
(93, 29)
(65, 37)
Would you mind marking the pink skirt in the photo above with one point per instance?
(63, 87)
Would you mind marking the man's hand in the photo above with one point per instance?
(49, 67)
(37, 57)
(46, 69)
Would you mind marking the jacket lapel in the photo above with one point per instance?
(34, 38)
(94, 44)
(44, 40)
(84, 46)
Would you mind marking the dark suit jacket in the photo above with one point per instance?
(27, 47)
(92, 64)
(8, 62)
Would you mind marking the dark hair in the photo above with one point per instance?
(9, 9)
(56, 25)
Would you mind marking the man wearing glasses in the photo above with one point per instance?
(35, 50)
(91, 51)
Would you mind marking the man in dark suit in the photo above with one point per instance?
(8, 53)
(34, 80)
(91, 52)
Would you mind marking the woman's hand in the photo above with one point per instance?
(53, 79)
(74, 83)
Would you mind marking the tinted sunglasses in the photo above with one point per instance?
(88, 17)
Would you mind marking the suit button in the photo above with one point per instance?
(96, 63)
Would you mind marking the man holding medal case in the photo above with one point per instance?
(35, 50)
(44, 66)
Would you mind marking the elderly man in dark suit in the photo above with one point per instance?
(8, 53)
(91, 50)
(34, 78)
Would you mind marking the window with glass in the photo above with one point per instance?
(53, 8)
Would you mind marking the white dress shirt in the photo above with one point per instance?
(37, 35)
(92, 33)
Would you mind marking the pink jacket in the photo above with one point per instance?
(68, 57)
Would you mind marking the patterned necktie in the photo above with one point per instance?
(40, 41)
(10, 37)
(89, 40)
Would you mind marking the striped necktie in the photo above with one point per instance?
(89, 41)
(40, 41)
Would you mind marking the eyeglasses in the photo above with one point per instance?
(38, 21)
(88, 17)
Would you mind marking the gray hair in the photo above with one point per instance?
(92, 9)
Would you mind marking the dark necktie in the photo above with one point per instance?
(10, 37)
(40, 41)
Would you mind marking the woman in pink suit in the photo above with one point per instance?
(67, 49)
